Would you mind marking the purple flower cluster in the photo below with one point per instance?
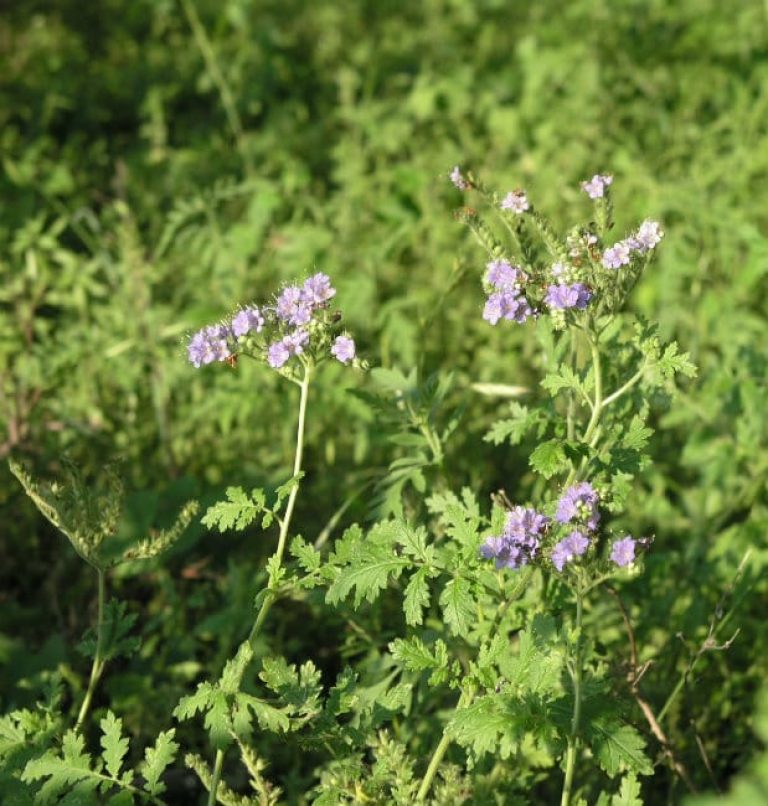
(579, 503)
(506, 301)
(290, 323)
(458, 178)
(647, 237)
(516, 202)
(569, 547)
(210, 344)
(563, 295)
(519, 543)
(595, 187)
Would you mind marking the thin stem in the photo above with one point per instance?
(285, 525)
(98, 664)
(217, 765)
(440, 750)
(573, 738)
(625, 387)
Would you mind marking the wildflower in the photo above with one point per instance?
(516, 201)
(595, 187)
(617, 255)
(623, 551)
(247, 320)
(579, 502)
(568, 296)
(502, 274)
(458, 179)
(292, 306)
(569, 547)
(647, 236)
(208, 345)
(506, 304)
(519, 543)
(317, 290)
(343, 349)
(277, 354)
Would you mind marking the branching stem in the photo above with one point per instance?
(285, 525)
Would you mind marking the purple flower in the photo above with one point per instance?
(579, 502)
(209, 344)
(343, 349)
(295, 341)
(458, 179)
(568, 296)
(277, 354)
(569, 547)
(506, 305)
(317, 290)
(247, 320)
(647, 236)
(292, 307)
(502, 275)
(617, 255)
(595, 187)
(520, 540)
(515, 201)
(623, 551)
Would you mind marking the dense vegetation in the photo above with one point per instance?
(166, 160)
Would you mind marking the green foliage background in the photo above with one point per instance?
(163, 161)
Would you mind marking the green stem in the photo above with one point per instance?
(440, 750)
(98, 664)
(217, 765)
(573, 738)
(614, 396)
(285, 525)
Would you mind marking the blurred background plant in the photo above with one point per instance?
(164, 160)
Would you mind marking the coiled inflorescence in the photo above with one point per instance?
(527, 533)
(297, 323)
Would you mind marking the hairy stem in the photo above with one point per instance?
(285, 525)
(573, 738)
(217, 765)
(98, 664)
(440, 750)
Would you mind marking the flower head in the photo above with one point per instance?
(292, 306)
(648, 235)
(516, 201)
(317, 289)
(343, 349)
(247, 320)
(277, 354)
(209, 344)
(623, 551)
(508, 304)
(502, 274)
(568, 296)
(579, 503)
(569, 547)
(458, 179)
(617, 255)
(595, 187)
(519, 542)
